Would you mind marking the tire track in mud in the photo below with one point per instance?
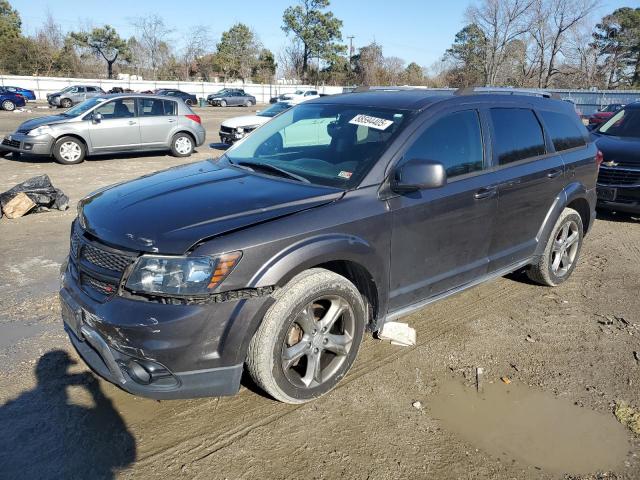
(256, 412)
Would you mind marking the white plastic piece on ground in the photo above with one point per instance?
(399, 334)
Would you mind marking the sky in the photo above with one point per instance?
(414, 30)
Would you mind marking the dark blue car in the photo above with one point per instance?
(10, 100)
(27, 94)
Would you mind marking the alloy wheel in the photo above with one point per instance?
(565, 248)
(8, 105)
(318, 341)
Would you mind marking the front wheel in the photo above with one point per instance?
(309, 338)
(69, 151)
(223, 103)
(189, 102)
(561, 251)
(182, 145)
(8, 105)
(65, 103)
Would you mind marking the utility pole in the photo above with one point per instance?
(351, 37)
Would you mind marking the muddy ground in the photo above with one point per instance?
(568, 353)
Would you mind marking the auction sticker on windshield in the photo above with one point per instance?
(371, 122)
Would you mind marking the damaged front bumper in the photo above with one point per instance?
(159, 348)
(21, 143)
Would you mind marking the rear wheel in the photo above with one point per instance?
(8, 105)
(189, 102)
(182, 145)
(561, 251)
(65, 103)
(69, 151)
(309, 338)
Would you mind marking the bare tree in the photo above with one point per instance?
(393, 70)
(551, 22)
(152, 33)
(291, 59)
(501, 21)
(196, 43)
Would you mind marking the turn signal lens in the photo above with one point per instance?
(225, 264)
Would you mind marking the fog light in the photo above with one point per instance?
(28, 146)
(138, 373)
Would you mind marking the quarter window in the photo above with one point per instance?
(170, 107)
(455, 141)
(563, 130)
(518, 134)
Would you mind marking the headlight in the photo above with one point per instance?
(240, 130)
(181, 275)
(43, 130)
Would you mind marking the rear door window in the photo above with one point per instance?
(518, 134)
(151, 107)
(563, 131)
(170, 107)
(455, 141)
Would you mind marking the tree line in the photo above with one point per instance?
(521, 43)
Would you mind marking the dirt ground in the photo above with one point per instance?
(567, 352)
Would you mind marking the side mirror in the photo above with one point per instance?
(417, 174)
(97, 117)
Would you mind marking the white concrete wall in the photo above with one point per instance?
(43, 85)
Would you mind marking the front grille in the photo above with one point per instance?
(110, 261)
(618, 176)
(105, 288)
(97, 268)
(224, 129)
(11, 143)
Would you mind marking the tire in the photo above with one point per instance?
(65, 103)
(248, 103)
(182, 145)
(301, 323)
(223, 103)
(8, 105)
(189, 102)
(561, 252)
(69, 151)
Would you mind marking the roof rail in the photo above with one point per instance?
(506, 91)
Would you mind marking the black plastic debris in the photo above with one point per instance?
(41, 191)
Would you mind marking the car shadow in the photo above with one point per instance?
(612, 216)
(93, 158)
(44, 435)
(219, 146)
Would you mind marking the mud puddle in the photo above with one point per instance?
(515, 422)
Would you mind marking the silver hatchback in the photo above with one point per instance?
(110, 124)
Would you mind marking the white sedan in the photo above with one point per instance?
(236, 128)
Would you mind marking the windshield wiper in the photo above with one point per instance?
(270, 169)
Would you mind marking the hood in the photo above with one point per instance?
(167, 212)
(245, 121)
(623, 150)
(37, 122)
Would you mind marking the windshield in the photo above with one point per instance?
(332, 145)
(83, 107)
(66, 89)
(299, 92)
(625, 123)
(274, 110)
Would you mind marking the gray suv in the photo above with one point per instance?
(73, 95)
(333, 218)
(110, 124)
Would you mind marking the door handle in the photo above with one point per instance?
(554, 173)
(171, 120)
(132, 122)
(485, 192)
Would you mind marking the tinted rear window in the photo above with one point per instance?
(170, 107)
(563, 131)
(518, 134)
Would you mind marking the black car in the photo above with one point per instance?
(188, 98)
(232, 98)
(619, 178)
(336, 216)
